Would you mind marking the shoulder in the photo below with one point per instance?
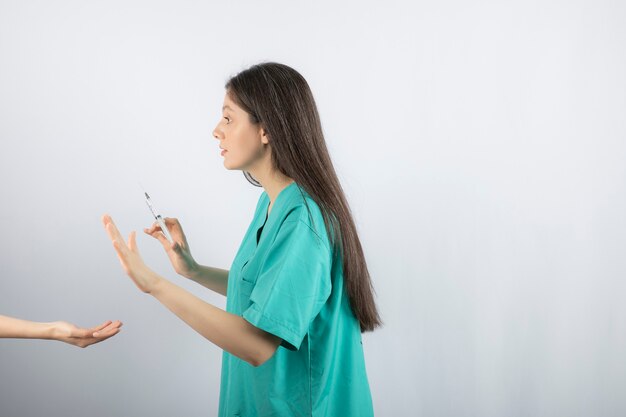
(300, 208)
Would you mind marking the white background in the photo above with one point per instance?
(481, 146)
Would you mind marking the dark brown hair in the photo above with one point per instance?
(279, 98)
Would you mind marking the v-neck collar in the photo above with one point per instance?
(276, 199)
(268, 215)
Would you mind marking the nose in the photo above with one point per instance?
(217, 134)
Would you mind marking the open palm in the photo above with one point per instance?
(129, 257)
(77, 336)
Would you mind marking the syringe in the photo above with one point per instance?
(158, 217)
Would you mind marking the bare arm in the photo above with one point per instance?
(215, 279)
(23, 329)
(228, 331)
(59, 330)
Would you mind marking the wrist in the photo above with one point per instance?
(194, 271)
(50, 331)
(157, 283)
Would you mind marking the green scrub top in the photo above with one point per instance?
(285, 280)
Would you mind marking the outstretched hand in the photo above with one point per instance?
(129, 257)
(77, 336)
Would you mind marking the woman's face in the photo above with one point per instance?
(243, 142)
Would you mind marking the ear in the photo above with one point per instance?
(264, 137)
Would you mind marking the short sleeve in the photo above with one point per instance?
(293, 284)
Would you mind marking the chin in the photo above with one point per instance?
(229, 166)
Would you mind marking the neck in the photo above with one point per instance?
(272, 180)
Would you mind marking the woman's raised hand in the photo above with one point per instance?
(178, 251)
(129, 257)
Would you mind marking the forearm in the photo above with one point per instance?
(228, 331)
(215, 279)
(24, 329)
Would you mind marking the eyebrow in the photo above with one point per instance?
(227, 107)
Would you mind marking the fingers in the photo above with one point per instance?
(158, 235)
(103, 329)
(154, 228)
(174, 226)
(81, 334)
(108, 330)
(114, 234)
(156, 232)
(172, 222)
(100, 327)
(111, 229)
(81, 337)
(99, 336)
(102, 336)
(132, 241)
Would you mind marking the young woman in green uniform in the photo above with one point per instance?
(299, 294)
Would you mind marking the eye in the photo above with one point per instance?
(227, 119)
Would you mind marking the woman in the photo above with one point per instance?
(298, 291)
(59, 330)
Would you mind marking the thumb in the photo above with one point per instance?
(132, 241)
(81, 333)
(160, 237)
(176, 247)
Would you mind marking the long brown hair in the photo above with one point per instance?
(279, 98)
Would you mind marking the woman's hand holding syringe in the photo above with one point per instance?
(178, 251)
